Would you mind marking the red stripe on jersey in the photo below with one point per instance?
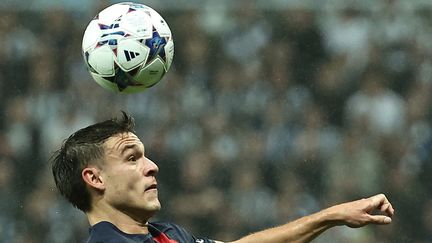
(162, 238)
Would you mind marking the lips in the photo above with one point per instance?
(152, 186)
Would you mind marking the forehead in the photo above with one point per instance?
(119, 141)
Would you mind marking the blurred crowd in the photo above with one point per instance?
(266, 115)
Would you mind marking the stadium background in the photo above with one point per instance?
(272, 110)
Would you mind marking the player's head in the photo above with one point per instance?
(105, 162)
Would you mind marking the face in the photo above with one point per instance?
(129, 176)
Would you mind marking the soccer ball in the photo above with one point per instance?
(128, 47)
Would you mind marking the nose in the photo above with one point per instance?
(151, 168)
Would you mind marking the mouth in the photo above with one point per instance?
(151, 187)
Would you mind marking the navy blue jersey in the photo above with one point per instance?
(106, 232)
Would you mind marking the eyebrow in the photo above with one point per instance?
(128, 146)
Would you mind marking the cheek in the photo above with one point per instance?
(123, 180)
(120, 181)
(127, 182)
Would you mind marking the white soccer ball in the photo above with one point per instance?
(128, 47)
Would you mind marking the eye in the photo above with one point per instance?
(132, 158)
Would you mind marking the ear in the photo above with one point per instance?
(92, 178)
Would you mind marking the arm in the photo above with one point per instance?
(353, 214)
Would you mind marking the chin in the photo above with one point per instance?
(158, 207)
(147, 211)
(153, 206)
(151, 211)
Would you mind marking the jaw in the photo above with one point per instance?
(144, 214)
(139, 209)
(149, 204)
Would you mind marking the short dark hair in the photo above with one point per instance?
(82, 148)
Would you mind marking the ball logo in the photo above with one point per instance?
(130, 55)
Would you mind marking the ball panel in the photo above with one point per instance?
(160, 24)
(91, 36)
(101, 59)
(104, 82)
(156, 45)
(131, 53)
(111, 13)
(151, 73)
(169, 54)
(137, 23)
(109, 85)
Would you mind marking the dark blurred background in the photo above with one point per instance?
(272, 110)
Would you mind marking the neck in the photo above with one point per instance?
(124, 222)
